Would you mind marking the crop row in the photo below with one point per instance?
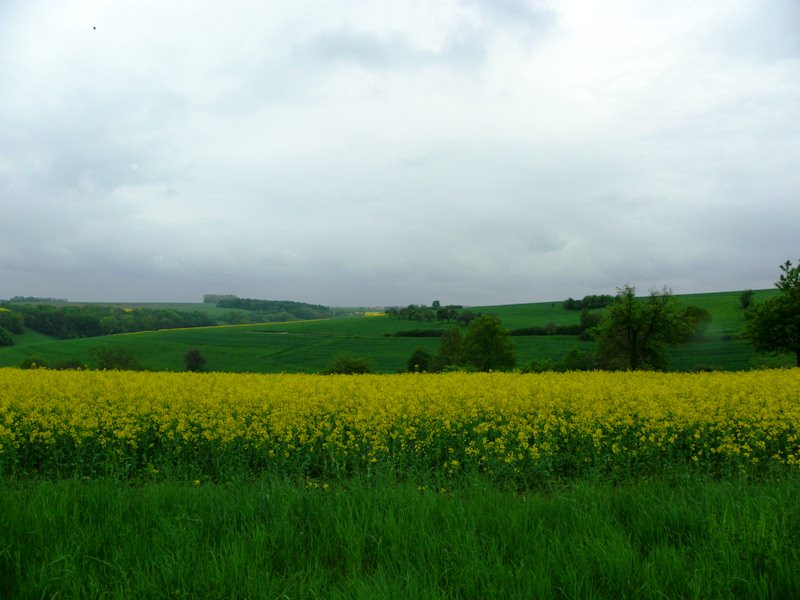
(517, 427)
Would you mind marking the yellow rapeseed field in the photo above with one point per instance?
(517, 426)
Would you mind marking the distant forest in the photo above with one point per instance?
(277, 310)
(69, 321)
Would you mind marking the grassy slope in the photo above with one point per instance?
(308, 346)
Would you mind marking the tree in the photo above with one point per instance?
(6, 339)
(451, 349)
(194, 360)
(348, 364)
(635, 332)
(774, 325)
(11, 321)
(487, 346)
(746, 298)
(697, 322)
(577, 360)
(420, 361)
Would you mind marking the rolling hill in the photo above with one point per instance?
(307, 346)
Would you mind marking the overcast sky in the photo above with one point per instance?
(373, 153)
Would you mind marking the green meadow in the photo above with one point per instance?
(307, 346)
(685, 538)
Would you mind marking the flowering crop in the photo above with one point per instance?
(519, 427)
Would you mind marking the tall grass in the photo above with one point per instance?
(278, 538)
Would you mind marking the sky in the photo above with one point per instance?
(387, 153)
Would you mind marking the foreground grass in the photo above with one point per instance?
(686, 537)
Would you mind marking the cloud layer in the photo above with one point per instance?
(474, 152)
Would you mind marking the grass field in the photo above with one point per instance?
(307, 346)
(690, 538)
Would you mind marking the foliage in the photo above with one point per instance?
(635, 332)
(423, 333)
(549, 329)
(746, 299)
(108, 358)
(420, 361)
(6, 339)
(574, 360)
(697, 322)
(451, 350)
(774, 325)
(417, 312)
(77, 321)
(577, 360)
(593, 301)
(32, 362)
(216, 298)
(278, 310)
(348, 364)
(487, 347)
(12, 321)
(194, 360)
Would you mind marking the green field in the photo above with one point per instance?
(307, 346)
(690, 538)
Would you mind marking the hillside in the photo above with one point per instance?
(307, 346)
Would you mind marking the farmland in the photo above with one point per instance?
(513, 428)
(271, 481)
(307, 346)
(444, 486)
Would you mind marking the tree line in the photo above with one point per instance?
(434, 312)
(272, 308)
(588, 302)
(68, 322)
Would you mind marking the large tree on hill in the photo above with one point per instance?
(774, 325)
(635, 332)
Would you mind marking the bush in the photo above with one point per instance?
(420, 361)
(70, 364)
(109, 358)
(33, 362)
(577, 360)
(348, 364)
(194, 360)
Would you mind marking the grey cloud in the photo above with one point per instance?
(161, 162)
(762, 31)
(392, 51)
(525, 13)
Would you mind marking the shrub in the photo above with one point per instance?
(348, 364)
(33, 362)
(194, 360)
(420, 361)
(108, 358)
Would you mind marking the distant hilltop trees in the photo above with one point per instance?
(39, 299)
(437, 312)
(268, 310)
(589, 302)
(215, 298)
